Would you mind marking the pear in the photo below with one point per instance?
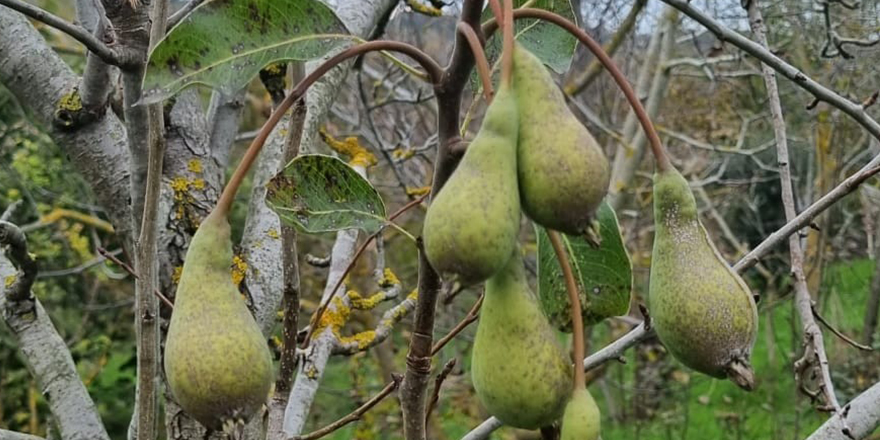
(520, 372)
(581, 419)
(216, 360)
(702, 310)
(471, 226)
(563, 174)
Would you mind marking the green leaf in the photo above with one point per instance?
(318, 193)
(224, 43)
(550, 43)
(603, 274)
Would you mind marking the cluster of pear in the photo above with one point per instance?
(530, 155)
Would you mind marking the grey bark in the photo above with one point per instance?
(49, 361)
(97, 150)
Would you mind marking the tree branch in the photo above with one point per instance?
(44, 352)
(418, 359)
(861, 415)
(39, 79)
(723, 33)
(79, 33)
(814, 353)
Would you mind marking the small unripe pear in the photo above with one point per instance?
(581, 420)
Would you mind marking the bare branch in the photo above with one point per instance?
(77, 32)
(861, 415)
(814, 354)
(12, 435)
(787, 70)
(181, 13)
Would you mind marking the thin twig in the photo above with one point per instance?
(110, 256)
(438, 383)
(78, 33)
(354, 415)
(507, 45)
(837, 332)
(472, 316)
(181, 13)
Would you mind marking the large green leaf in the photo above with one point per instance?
(225, 43)
(318, 193)
(604, 274)
(550, 43)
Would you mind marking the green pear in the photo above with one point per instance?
(702, 310)
(520, 372)
(581, 419)
(563, 174)
(471, 226)
(216, 359)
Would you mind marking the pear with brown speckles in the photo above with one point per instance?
(520, 372)
(563, 174)
(216, 359)
(702, 310)
(472, 224)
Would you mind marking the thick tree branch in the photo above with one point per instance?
(418, 359)
(12, 435)
(39, 79)
(862, 417)
(42, 349)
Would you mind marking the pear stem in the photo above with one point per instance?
(507, 45)
(497, 11)
(577, 320)
(482, 63)
(660, 156)
(434, 71)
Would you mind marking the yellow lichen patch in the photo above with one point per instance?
(78, 242)
(403, 153)
(360, 303)
(418, 191)
(388, 279)
(421, 8)
(273, 233)
(363, 339)
(312, 372)
(71, 102)
(181, 186)
(239, 269)
(59, 213)
(194, 165)
(9, 281)
(414, 295)
(175, 276)
(334, 317)
(198, 183)
(358, 154)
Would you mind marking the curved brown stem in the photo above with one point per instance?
(434, 71)
(507, 45)
(660, 156)
(497, 11)
(483, 68)
(577, 321)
